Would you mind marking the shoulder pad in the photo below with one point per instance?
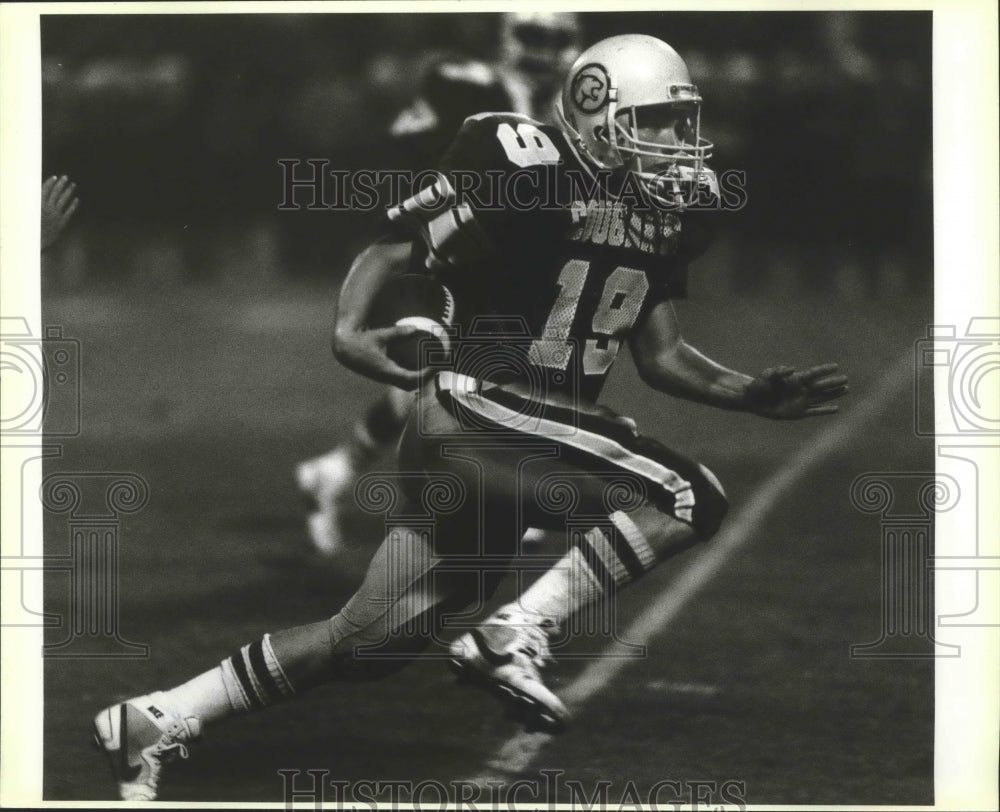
(503, 141)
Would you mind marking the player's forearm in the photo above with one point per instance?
(354, 345)
(685, 373)
(370, 271)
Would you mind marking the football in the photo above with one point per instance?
(418, 301)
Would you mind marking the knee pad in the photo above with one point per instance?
(702, 505)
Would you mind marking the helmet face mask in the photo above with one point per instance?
(629, 103)
(663, 147)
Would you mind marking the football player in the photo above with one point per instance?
(59, 204)
(508, 432)
(536, 50)
(452, 88)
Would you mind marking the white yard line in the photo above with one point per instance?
(518, 752)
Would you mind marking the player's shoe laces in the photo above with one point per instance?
(507, 652)
(140, 735)
(326, 480)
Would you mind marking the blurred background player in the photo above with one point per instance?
(452, 88)
(59, 204)
(536, 49)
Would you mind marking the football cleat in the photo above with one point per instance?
(506, 653)
(139, 736)
(325, 481)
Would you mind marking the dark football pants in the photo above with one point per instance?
(476, 471)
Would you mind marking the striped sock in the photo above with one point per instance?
(599, 562)
(250, 679)
(254, 677)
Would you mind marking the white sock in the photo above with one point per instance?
(204, 697)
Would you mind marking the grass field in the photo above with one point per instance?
(212, 396)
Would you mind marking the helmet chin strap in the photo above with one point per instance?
(587, 160)
(610, 133)
(579, 145)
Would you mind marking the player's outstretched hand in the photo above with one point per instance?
(364, 352)
(782, 393)
(59, 203)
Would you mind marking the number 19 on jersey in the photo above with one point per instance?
(617, 310)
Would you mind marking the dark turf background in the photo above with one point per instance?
(213, 398)
(203, 316)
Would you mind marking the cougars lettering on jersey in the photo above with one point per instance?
(613, 223)
(547, 286)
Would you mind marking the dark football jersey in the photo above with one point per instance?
(550, 272)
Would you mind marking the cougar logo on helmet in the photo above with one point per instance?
(590, 88)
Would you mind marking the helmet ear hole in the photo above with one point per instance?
(601, 133)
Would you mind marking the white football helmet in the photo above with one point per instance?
(611, 90)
